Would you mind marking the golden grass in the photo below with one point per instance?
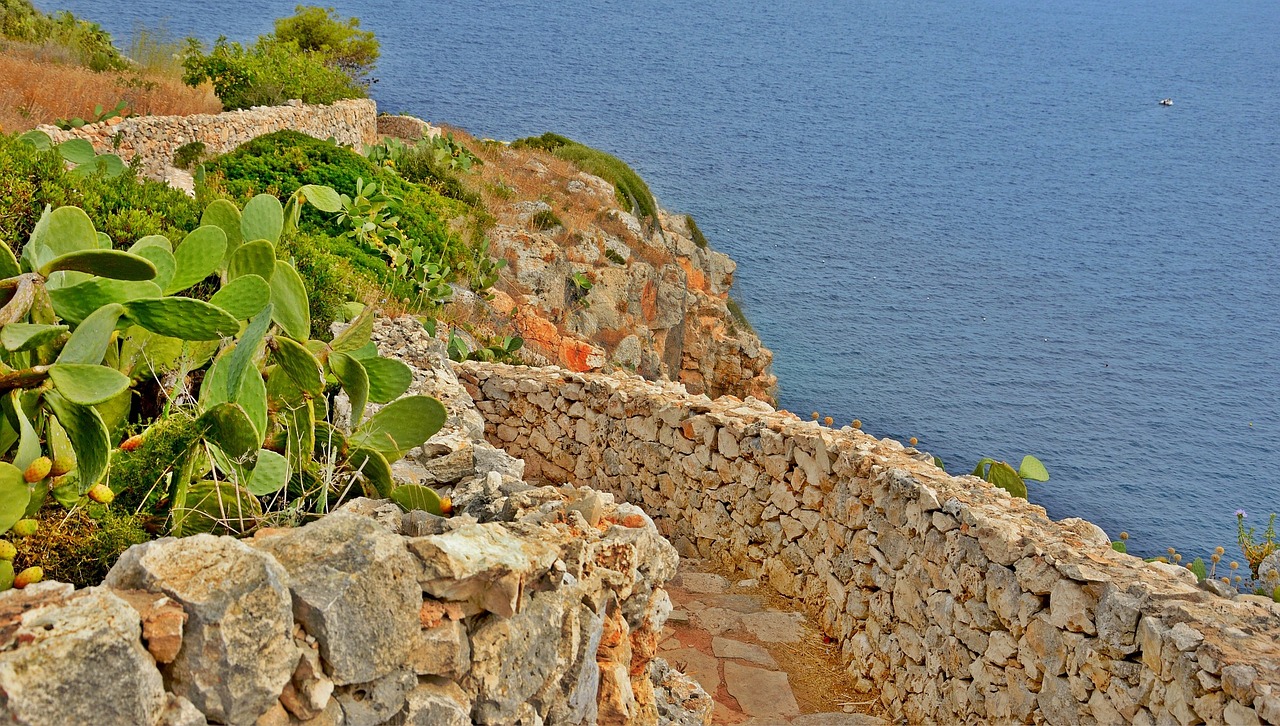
(35, 89)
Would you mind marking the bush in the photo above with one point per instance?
(627, 184)
(695, 233)
(418, 164)
(341, 43)
(335, 271)
(187, 155)
(80, 546)
(281, 162)
(124, 207)
(267, 73)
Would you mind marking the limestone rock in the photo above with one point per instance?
(512, 658)
(74, 659)
(761, 693)
(482, 563)
(236, 651)
(376, 702)
(435, 702)
(355, 590)
(442, 650)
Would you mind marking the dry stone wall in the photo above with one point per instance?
(154, 139)
(956, 601)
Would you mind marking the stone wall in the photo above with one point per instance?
(367, 616)
(154, 139)
(955, 600)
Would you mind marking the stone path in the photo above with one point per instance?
(762, 664)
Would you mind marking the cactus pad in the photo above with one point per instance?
(88, 435)
(14, 496)
(299, 365)
(182, 317)
(416, 496)
(75, 303)
(243, 297)
(229, 426)
(103, 263)
(373, 466)
(289, 296)
(263, 218)
(388, 378)
(87, 384)
(269, 475)
(218, 508)
(224, 215)
(406, 423)
(354, 380)
(88, 344)
(199, 255)
(27, 336)
(252, 258)
(356, 335)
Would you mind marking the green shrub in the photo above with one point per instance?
(88, 43)
(545, 219)
(187, 155)
(124, 207)
(268, 73)
(418, 164)
(736, 311)
(341, 43)
(695, 233)
(79, 547)
(281, 162)
(627, 184)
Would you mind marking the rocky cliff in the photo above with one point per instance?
(591, 287)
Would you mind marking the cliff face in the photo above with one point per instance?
(590, 287)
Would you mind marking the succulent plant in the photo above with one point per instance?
(1013, 481)
(81, 324)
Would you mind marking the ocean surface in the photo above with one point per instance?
(965, 221)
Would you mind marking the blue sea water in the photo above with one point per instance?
(962, 220)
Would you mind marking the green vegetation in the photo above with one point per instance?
(390, 230)
(99, 114)
(698, 238)
(629, 187)
(313, 55)
(188, 155)
(1013, 481)
(123, 208)
(87, 43)
(545, 219)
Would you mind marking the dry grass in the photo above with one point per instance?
(37, 88)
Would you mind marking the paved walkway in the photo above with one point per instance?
(762, 665)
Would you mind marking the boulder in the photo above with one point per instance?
(435, 702)
(355, 590)
(236, 651)
(481, 563)
(74, 659)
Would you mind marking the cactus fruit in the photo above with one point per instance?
(857, 423)
(6, 575)
(101, 493)
(38, 469)
(26, 527)
(7, 550)
(29, 576)
(62, 465)
(446, 506)
(913, 441)
(131, 443)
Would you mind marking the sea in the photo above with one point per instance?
(965, 221)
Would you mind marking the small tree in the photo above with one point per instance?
(341, 43)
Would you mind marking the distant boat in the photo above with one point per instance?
(1166, 102)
